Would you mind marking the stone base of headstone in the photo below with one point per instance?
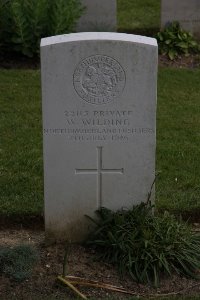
(186, 12)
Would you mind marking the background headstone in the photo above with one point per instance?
(99, 117)
(186, 12)
(99, 15)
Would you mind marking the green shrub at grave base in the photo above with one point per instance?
(144, 245)
(24, 22)
(174, 41)
(17, 262)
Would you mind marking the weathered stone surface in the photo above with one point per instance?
(99, 126)
(186, 12)
(99, 15)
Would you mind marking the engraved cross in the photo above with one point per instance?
(99, 171)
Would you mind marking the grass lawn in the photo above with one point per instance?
(21, 142)
(178, 141)
(139, 16)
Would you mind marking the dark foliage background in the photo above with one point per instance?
(24, 22)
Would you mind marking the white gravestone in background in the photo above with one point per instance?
(186, 12)
(99, 117)
(99, 15)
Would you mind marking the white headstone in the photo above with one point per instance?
(99, 15)
(99, 118)
(186, 12)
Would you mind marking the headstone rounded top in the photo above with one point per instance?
(98, 36)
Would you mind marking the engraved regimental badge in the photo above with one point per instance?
(99, 79)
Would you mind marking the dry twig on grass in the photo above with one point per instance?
(92, 283)
(72, 287)
(74, 280)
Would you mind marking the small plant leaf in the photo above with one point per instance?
(174, 41)
(167, 42)
(171, 54)
(182, 45)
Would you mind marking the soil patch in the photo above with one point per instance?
(191, 62)
(82, 262)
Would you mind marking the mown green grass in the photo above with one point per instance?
(178, 141)
(139, 16)
(21, 143)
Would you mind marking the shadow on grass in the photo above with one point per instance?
(15, 221)
(151, 32)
